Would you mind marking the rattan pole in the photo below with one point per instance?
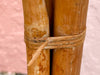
(69, 19)
(36, 27)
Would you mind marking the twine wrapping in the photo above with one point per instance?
(53, 43)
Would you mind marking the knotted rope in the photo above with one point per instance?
(53, 43)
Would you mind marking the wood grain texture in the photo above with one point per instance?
(69, 19)
(36, 27)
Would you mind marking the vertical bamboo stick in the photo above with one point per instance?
(69, 19)
(36, 27)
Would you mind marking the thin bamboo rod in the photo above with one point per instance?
(69, 19)
(36, 27)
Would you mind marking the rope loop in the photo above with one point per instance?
(53, 43)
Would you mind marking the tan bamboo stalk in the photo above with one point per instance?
(36, 27)
(69, 19)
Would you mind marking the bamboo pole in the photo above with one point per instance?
(36, 27)
(69, 19)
